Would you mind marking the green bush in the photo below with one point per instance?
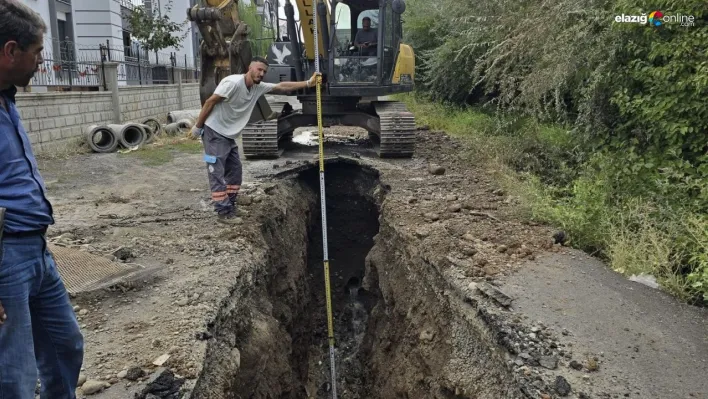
(605, 124)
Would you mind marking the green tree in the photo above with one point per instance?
(154, 30)
(261, 34)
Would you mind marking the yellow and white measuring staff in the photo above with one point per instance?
(328, 291)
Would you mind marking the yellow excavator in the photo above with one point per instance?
(362, 58)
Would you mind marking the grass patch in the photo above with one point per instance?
(163, 150)
(560, 184)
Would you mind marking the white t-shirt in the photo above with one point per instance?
(230, 116)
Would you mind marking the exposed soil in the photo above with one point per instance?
(417, 256)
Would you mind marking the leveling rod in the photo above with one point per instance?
(323, 206)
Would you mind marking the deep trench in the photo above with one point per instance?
(396, 333)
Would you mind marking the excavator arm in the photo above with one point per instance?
(224, 49)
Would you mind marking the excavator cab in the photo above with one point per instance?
(362, 57)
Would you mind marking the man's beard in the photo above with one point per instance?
(25, 81)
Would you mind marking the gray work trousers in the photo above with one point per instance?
(224, 169)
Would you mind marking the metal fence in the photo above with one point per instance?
(138, 66)
(68, 66)
(62, 67)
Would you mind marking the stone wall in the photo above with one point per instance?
(54, 119)
(190, 92)
(142, 102)
(57, 119)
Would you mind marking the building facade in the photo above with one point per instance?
(78, 29)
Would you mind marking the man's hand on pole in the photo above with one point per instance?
(313, 80)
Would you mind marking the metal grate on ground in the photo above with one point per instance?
(83, 271)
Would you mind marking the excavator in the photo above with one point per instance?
(355, 74)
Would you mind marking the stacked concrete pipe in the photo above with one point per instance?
(101, 139)
(153, 128)
(176, 116)
(129, 134)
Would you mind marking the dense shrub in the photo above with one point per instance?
(627, 159)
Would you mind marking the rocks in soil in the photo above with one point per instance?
(576, 365)
(560, 238)
(183, 302)
(82, 379)
(454, 208)
(451, 198)
(161, 384)
(421, 233)
(244, 200)
(593, 365)
(426, 335)
(469, 251)
(549, 362)
(436, 170)
(134, 373)
(91, 387)
(161, 360)
(124, 254)
(431, 216)
(495, 294)
(562, 386)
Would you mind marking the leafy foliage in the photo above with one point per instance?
(632, 99)
(261, 35)
(154, 29)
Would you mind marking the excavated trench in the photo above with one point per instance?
(400, 331)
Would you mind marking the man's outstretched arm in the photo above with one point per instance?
(287, 87)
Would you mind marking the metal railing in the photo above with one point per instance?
(138, 66)
(68, 66)
(63, 67)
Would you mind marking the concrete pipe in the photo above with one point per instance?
(153, 128)
(176, 128)
(101, 139)
(129, 135)
(176, 116)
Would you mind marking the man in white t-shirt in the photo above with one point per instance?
(223, 117)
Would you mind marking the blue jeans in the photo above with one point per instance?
(41, 332)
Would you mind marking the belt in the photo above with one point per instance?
(24, 234)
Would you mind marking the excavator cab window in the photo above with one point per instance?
(356, 49)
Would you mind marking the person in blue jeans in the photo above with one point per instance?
(39, 333)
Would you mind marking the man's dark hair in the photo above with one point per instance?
(260, 59)
(366, 19)
(20, 24)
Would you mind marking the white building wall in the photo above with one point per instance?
(97, 22)
(42, 8)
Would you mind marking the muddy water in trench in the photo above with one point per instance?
(352, 220)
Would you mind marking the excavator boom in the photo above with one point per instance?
(225, 48)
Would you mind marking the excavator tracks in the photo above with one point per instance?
(260, 139)
(397, 135)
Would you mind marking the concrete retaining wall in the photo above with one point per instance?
(56, 119)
